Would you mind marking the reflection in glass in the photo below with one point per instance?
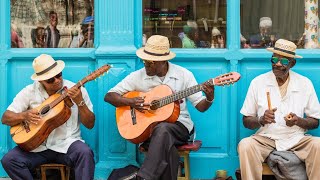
(52, 23)
(263, 22)
(187, 23)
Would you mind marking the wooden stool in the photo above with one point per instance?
(266, 170)
(64, 170)
(184, 152)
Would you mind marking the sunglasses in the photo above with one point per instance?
(283, 61)
(51, 80)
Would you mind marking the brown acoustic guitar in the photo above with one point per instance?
(137, 126)
(54, 112)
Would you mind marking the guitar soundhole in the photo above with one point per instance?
(154, 105)
(44, 110)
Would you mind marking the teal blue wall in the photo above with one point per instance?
(118, 33)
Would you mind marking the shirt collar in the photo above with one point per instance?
(293, 84)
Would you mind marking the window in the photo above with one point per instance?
(52, 23)
(263, 22)
(187, 23)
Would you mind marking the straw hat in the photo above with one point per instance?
(45, 67)
(285, 48)
(157, 48)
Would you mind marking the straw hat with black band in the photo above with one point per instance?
(157, 48)
(285, 48)
(45, 67)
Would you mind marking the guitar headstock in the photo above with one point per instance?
(226, 79)
(96, 73)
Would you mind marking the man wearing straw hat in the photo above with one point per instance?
(64, 145)
(282, 117)
(163, 160)
(264, 38)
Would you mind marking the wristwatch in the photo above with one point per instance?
(82, 103)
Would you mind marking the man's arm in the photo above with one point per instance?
(204, 105)
(308, 123)
(117, 100)
(87, 117)
(11, 118)
(305, 123)
(251, 122)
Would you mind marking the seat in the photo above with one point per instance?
(64, 170)
(184, 152)
(266, 170)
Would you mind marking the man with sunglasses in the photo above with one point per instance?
(162, 160)
(64, 144)
(283, 116)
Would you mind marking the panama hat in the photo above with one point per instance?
(45, 67)
(157, 48)
(285, 48)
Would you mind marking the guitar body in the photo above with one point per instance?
(141, 129)
(38, 133)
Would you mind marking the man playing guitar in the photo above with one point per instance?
(163, 159)
(64, 144)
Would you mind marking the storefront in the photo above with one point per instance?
(210, 37)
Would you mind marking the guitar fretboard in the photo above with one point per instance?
(177, 96)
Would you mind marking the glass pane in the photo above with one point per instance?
(52, 23)
(263, 22)
(187, 23)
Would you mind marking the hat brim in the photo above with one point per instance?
(141, 54)
(56, 70)
(283, 53)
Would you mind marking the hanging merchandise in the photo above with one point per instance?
(311, 24)
(215, 20)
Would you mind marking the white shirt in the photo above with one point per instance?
(177, 78)
(300, 99)
(63, 136)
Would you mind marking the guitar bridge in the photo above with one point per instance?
(133, 116)
(26, 126)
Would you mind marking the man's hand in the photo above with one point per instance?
(75, 94)
(268, 117)
(208, 91)
(138, 103)
(292, 121)
(32, 116)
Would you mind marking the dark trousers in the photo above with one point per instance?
(162, 160)
(18, 163)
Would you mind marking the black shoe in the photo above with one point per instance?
(132, 176)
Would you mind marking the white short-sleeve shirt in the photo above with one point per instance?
(63, 136)
(177, 78)
(300, 99)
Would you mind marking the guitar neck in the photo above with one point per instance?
(179, 95)
(64, 95)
